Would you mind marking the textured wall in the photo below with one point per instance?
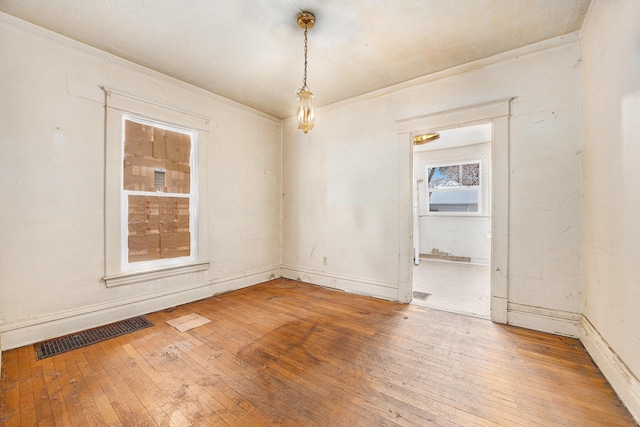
(341, 213)
(611, 126)
(52, 124)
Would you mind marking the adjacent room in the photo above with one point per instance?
(452, 220)
(319, 213)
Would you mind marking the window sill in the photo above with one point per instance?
(147, 275)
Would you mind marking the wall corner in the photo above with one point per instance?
(624, 382)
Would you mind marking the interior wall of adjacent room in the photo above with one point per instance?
(342, 186)
(454, 234)
(52, 166)
(611, 175)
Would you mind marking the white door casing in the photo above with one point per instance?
(497, 113)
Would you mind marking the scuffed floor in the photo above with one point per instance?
(454, 286)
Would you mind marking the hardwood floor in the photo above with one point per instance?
(289, 353)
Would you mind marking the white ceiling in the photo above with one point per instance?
(458, 137)
(251, 51)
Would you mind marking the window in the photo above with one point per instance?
(157, 175)
(155, 191)
(454, 188)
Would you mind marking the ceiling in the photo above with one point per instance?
(251, 51)
(458, 137)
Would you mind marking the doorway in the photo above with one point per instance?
(452, 219)
(497, 113)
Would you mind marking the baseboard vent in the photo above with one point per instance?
(422, 296)
(70, 342)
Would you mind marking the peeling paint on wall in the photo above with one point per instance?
(438, 254)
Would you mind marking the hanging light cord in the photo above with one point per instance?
(304, 79)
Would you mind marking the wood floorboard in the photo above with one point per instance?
(293, 351)
(346, 362)
(393, 364)
(285, 353)
(27, 401)
(167, 377)
(279, 355)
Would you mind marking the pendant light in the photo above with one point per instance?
(306, 114)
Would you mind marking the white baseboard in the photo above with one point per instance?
(349, 284)
(623, 381)
(239, 281)
(25, 332)
(544, 319)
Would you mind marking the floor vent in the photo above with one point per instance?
(422, 296)
(60, 345)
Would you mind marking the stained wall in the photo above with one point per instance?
(52, 165)
(611, 173)
(343, 213)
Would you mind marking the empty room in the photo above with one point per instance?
(305, 213)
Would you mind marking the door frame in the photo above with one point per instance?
(497, 113)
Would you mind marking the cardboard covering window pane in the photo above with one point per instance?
(158, 226)
(144, 247)
(148, 149)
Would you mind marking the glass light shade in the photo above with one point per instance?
(305, 113)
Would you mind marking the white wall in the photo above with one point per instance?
(611, 126)
(52, 188)
(342, 215)
(341, 209)
(456, 235)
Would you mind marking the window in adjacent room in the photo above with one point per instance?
(454, 188)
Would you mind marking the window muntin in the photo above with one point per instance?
(454, 188)
(158, 198)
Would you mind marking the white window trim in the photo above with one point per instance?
(193, 203)
(480, 188)
(118, 271)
